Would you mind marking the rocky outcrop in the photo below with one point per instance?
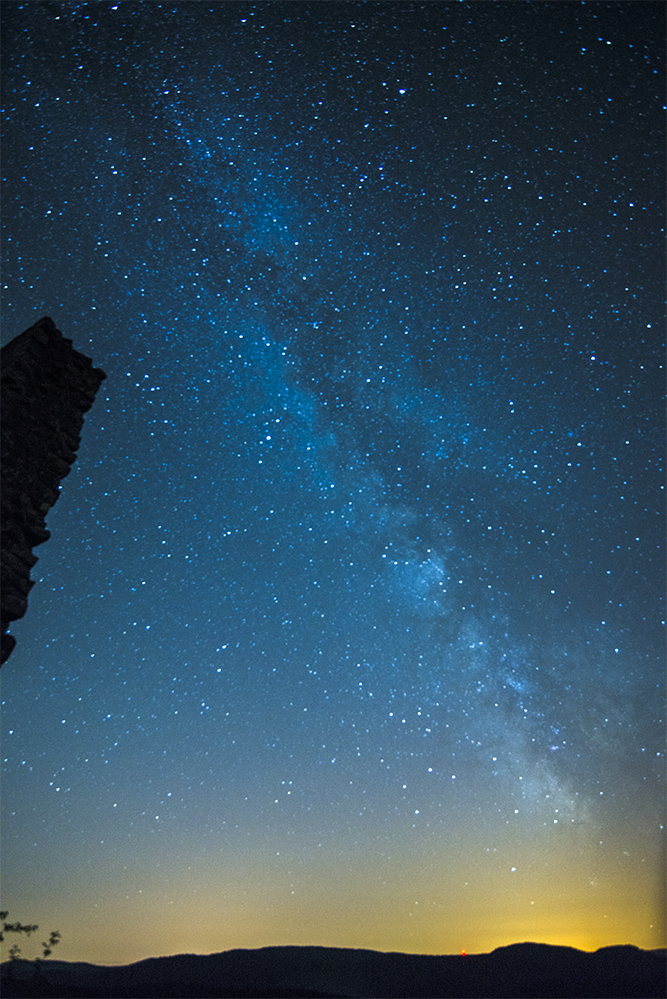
(46, 386)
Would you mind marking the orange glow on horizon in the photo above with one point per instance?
(559, 890)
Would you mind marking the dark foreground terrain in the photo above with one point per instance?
(521, 970)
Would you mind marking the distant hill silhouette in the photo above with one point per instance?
(521, 970)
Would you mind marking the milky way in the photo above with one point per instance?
(349, 630)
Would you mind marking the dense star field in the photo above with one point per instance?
(349, 631)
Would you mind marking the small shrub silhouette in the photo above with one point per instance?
(27, 928)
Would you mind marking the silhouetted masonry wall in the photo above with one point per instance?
(45, 388)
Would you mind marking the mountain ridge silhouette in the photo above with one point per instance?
(517, 970)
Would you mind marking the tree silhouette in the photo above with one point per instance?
(26, 928)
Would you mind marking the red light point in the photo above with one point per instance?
(463, 953)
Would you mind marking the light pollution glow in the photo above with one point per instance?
(420, 900)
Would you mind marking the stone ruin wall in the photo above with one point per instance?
(45, 388)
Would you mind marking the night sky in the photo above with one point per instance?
(350, 628)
